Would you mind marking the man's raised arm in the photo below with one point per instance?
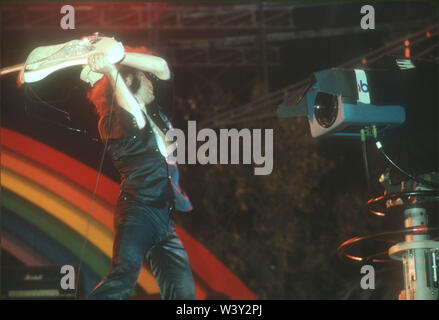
(99, 63)
(148, 63)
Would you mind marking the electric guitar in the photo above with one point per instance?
(45, 60)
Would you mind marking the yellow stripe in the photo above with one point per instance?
(59, 186)
(98, 235)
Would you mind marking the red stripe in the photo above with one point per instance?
(59, 162)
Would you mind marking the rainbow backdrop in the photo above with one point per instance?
(46, 205)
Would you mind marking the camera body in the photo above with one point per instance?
(340, 102)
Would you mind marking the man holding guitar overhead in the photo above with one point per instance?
(134, 100)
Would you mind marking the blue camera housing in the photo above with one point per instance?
(365, 98)
(351, 117)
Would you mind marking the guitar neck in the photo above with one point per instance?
(11, 69)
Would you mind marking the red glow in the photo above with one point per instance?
(420, 229)
(406, 43)
(100, 15)
(354, 257)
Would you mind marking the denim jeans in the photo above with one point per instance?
(146, 232)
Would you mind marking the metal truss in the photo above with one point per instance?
(191, 34)
(264, 107)
(189, 16)
(187, 50)
(270, 16)
(104, 16)
(138, 16)
(242, 50)
(210, 56)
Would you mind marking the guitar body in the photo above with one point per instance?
(47, 59)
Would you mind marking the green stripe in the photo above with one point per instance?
(94, 258)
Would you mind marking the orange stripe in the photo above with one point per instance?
(63, 188)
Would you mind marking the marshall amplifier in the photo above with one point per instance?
(48, 282)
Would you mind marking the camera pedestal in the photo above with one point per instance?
(419, 252)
